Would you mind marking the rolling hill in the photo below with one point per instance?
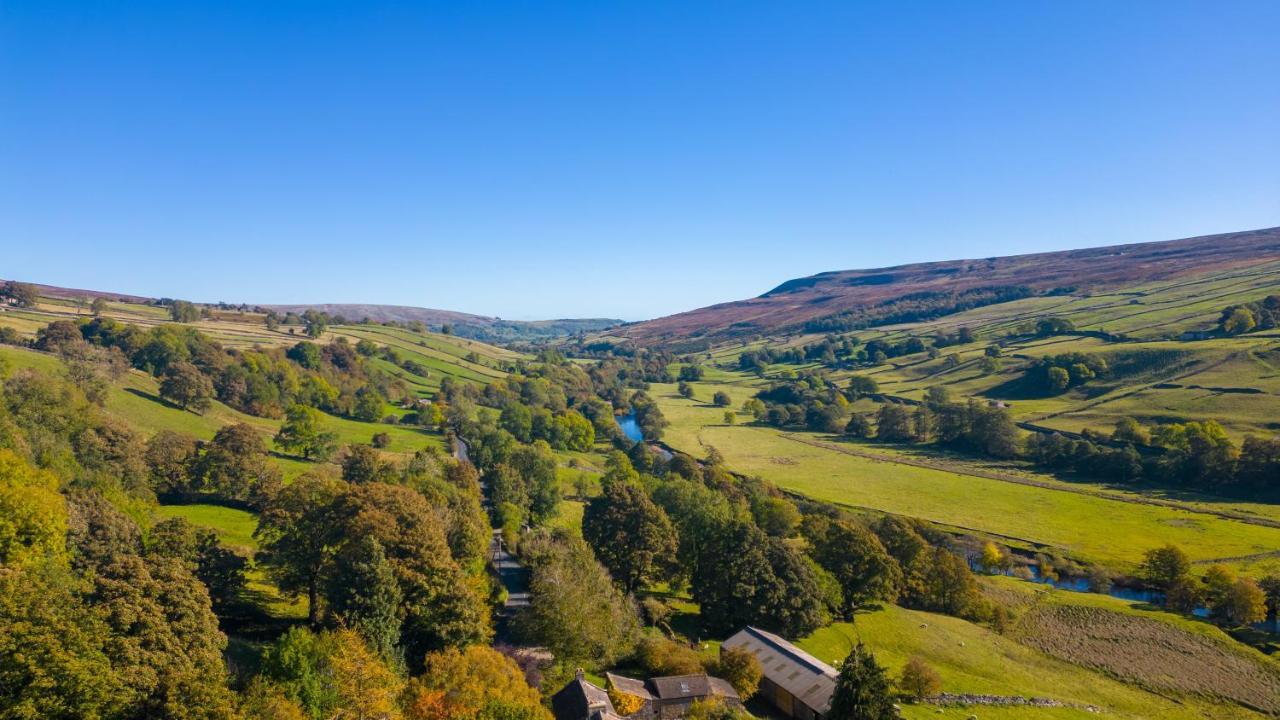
(478, 327)
(853, 299)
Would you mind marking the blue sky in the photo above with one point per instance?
(626, 159)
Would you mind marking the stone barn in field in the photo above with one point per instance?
(796, 683)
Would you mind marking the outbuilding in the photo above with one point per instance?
(798, 684)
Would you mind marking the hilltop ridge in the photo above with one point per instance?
(847, 299)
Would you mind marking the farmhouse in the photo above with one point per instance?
(659, 698)
(795, 682)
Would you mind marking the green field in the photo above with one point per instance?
(1103, 528)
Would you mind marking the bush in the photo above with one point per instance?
(659, 656)
(918, 679)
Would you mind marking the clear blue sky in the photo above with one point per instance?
(626, 159)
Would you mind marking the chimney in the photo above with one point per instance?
(580, 675)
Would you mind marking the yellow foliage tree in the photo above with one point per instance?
(462, 683)
(625, 703)
(367, 689)
(33, 514)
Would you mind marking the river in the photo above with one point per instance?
(630, 427)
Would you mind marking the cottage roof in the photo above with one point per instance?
(581, 700)
(630, 686)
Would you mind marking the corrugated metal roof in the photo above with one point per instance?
(807, 678)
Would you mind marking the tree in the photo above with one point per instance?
(33, 515)
(741, 668)
(53, 655)
(893, 424)
(660, 656)
(369, 404)
(366, 688)
(919, 680)
(316, 322)
(1183, 595)
(685, 390)
(295, 531)
(744, 577)
(171, 458)
(163, 638)
(1163, 566)
(856, 558)
(1243, 602)
(235, 465)
(363, 594)
(946, 584)
(576, 611)
(183, 312)
(302, 433)
(441, 605)
(298, 663)
(185, 385)
(472, 683)
(862, 385)
(858, 426)
(98, 306)
(22, 294)
(1058, 380)
(361, 464)
(630, 534)
(993, 560)
(862, 689)
(306, 354)
(721, 399)
(1238, 320)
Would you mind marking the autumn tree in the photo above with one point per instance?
(471, 684)
(33, 515)
(366, 688)
(740, 668)
(919, 680)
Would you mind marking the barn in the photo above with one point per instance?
(795, 682)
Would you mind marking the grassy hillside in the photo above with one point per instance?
(853, 298)
(135, 399)
(1069, 667)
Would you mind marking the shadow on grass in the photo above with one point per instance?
(155, 399)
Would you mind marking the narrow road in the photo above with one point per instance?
(513, 575)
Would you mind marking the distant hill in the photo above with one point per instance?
(478, 327)
(851, 299)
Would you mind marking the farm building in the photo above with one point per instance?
(659, 698)
(795, 682)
